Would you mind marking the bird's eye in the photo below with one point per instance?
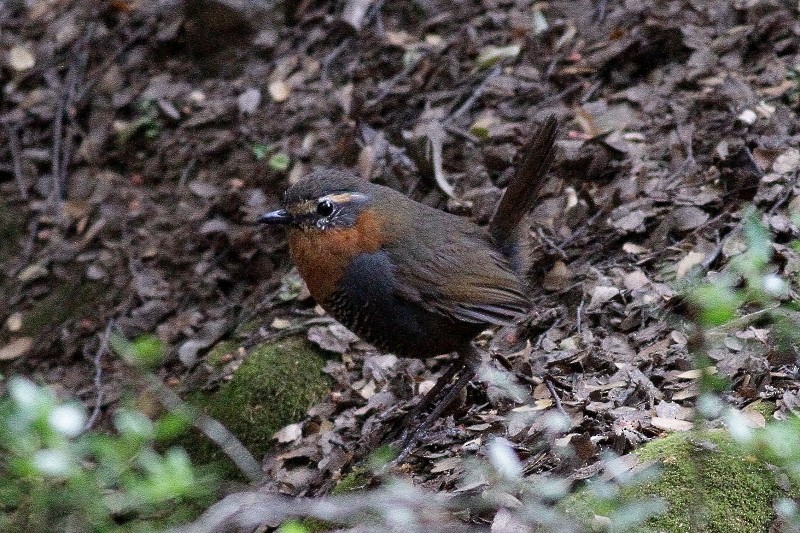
(324, 208)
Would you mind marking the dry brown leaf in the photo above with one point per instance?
(636, 280)
(753, 418)
(696, 372)
(558, 278)
(15, 348)
(633, 222)
(671, 424)
(601, 295)
(685, 265)
(448, 463)
(289, 433)
(688, 218)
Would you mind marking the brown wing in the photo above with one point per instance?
(458, 273)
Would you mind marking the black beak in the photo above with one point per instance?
(275, 217)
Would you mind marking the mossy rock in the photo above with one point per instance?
(706, 482)
(275, 386)
(69, 300)
(219, 351)
(67, 303)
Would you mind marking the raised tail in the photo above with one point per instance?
(521, 193)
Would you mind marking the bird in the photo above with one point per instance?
(408, 278)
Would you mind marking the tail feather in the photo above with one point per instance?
(521, 193)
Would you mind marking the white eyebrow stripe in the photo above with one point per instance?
(345, 197)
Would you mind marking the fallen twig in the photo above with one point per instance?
(210, 427)
(246, 511)
(98, 374)
(16, 159)
(470, 101)
(436, 142)
(61, 152)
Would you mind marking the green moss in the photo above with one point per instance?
(314, 525)
(707, 488)
(249, 326)
(274, 386)
(767, 409)
(219, 351)
(67, 301)
(358, 479)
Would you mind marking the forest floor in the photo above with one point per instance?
(141, 140)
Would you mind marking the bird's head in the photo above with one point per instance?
(323, 200)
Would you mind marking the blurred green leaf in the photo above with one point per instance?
(146, 351)
(717, 303)
(260, 151)
(279, 162)
(55, 477)
(171, 425)
(758, 239)
(133, 424)
(292, 526)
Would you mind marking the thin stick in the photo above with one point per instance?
(438, 170)
(210, 427)
(469, 102)
(98, 374)
(16, 159)
(554, 395)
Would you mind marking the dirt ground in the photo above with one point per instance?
(141, 140)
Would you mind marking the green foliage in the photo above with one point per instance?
(148, 123)
(749, 284)
(747, 279)
(260, 151)
(54, 476)
(293, 526)
(714, 488)
(146, 351)
(706, 482)
(279, 162)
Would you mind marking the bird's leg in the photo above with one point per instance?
(433, 394)
(407, 424)
(468, 361)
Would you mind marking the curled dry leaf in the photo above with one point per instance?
(601, 295)
(671, 424)
(686, 264)
(558, 278)
(688, 218)
(15, 348)
(334, 338)
(289, 433)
